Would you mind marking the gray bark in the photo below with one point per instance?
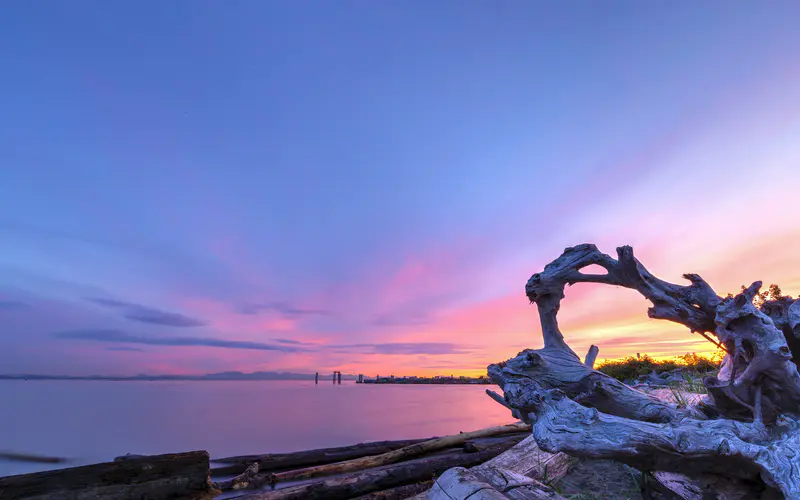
(308, 458)
(519, 473)
(399, 493)
(746, 428)
(407, 453)
(492, 483)
(378, 479)
(175, 476)
(528, 459)
(591, 356)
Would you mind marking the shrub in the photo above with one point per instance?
(633, 367)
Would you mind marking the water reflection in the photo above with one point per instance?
(95, 421)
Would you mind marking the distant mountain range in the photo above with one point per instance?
(210, 376)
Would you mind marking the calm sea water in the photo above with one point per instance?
(91, 422)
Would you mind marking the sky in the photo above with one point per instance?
(194, 186)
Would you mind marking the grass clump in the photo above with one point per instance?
(633, 367)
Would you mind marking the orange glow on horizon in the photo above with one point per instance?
(483, 332)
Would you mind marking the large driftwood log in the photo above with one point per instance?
(459, 483)
(398, 493)
(380, 478)
(528, 459)
(173, 476)
(519, 473)
(712, 486)
(308, 458)
(252, 479)
(407, 453)
(746, 429)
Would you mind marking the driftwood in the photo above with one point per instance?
(528, 459)
(249, 479)
(460, 483)
(403, 454)
(308, 458)
(399, 492)
(518, 473)
(174, 476)
(480, 444)
(712, 486)
(747, 429)
(378, 479)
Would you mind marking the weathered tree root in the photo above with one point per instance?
(746, 428)
(726, 447)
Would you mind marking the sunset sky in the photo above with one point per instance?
(366, 186)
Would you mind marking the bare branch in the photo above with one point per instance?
(591, 356)
(756, 347)
(693, 306)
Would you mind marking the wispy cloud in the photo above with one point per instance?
(422, 309)
(389, 319)
(280, 307)
(124, 349)
(434, 348)
(13, 305)
(104, 335)
(144, 314)
(292, 342)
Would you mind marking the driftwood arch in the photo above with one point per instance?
(746, 430)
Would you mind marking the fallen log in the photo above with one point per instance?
(528, 459)
(362, 483)
(503, 475)
(288, 461)
(249, 479)
(173, 476)
(308, 458)
(480, 444)
(128, 456)
(460, 484)
(403, 454)
(713, 486)
(398, 493)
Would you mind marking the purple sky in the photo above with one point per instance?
(196, 186)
